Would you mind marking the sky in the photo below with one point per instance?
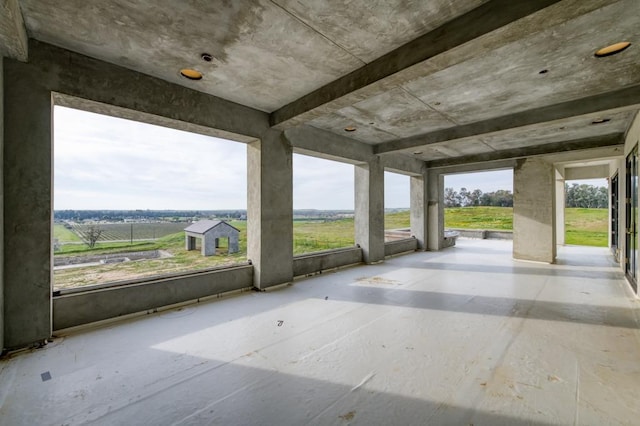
(103, 162)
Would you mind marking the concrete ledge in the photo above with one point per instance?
(450, 237)
(84, 307)
(400, 246)
(311, 263)
(484, 234)
(499, 235)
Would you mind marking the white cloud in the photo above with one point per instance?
(102, 162)
(396, 190)
(322, 184)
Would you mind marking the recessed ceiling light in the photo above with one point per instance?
(600, 120)
(207, 57)
(613, 49)
(417, 152)
(191, 74)
(350, 129)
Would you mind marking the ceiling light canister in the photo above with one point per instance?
(350, 129)
(191, 74)
(613, 49)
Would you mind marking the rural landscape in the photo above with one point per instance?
(94, 247)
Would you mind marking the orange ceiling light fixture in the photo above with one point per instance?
(191, 74)
(350, 129)
(612, 49)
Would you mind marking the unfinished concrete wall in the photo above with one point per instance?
(28, 89)
(560, 206)
(369, 209)
(27, 205)
(418, 213)
(84, 307)
(1, 207)
(534, 217)
(435, 210)
(407, 245)
(312, 263)
(270, 209)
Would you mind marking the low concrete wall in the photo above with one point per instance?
(84, 307)
(500, 235)
(400, 246)
(484, 234)
(311, 263)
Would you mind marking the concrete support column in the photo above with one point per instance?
(27, 167)
(369, 209)
(270, 209)
(560, 206)
(534, 211)
(1, 207)
(435, 210)
(418, 202)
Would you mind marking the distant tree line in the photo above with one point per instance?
(581, 196)
(466, 198)
(120, 215)
(586, 196)
(178, 215)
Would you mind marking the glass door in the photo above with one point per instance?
(614, 216)
(631, 222)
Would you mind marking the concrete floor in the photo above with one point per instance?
(462, 336)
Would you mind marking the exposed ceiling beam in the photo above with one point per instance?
(621, 98)
(616, 139)
(482, 20)
(60, 71)
(13, 34)
(323, 144)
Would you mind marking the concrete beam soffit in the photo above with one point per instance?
(484, 19)
(75, 75)
(614, 140)
(403, 164)
(475, 167)
(323, 144)
(622, 98)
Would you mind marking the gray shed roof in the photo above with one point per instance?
(202, 226)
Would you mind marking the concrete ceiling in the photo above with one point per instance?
(440, 80)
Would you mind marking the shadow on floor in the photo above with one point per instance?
(496, 306)
(545, 270)
(210, 391)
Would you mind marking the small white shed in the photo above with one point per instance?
(210, 232)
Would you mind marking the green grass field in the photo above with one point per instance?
(64, 235)
(583, 227)
(586, 227)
